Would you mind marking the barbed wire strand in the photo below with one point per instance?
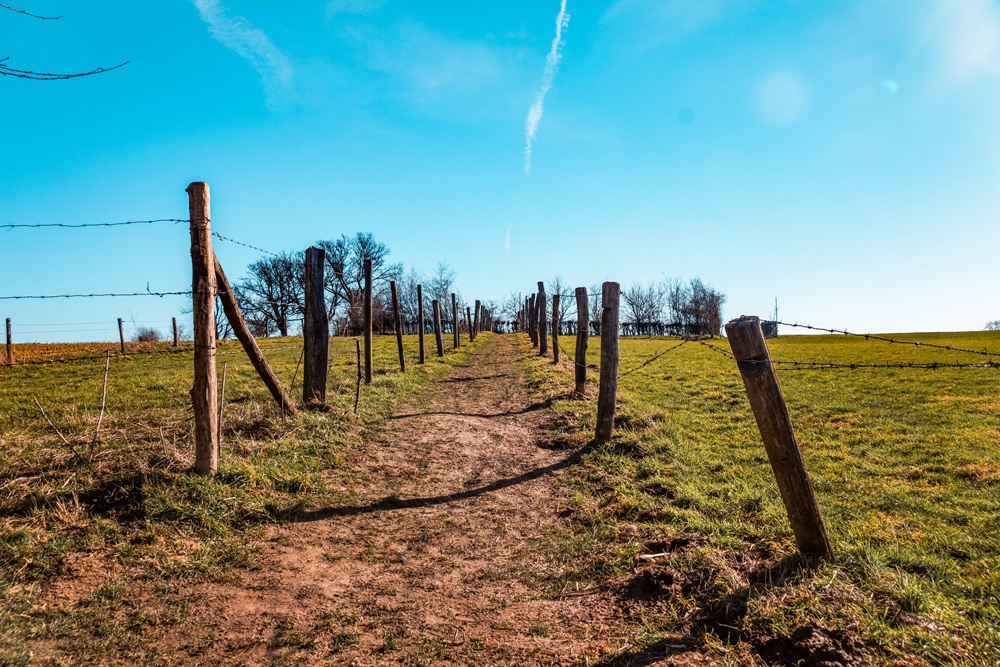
(245, 245)
(94, 224)
(648, 362)
(886, 339)
(94, 296)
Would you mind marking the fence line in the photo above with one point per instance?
(94, 224)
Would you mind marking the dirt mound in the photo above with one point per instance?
(815, 646)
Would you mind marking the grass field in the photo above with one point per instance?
(135, 501)
(906, 468)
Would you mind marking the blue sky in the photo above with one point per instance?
(842, 157)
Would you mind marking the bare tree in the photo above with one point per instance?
(993, 326)
(345, 273)
(273, 291)
(645, 303)
(5, 70)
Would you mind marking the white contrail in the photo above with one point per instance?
(551, 65)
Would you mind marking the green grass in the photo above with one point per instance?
(906, 468)
(136, 505)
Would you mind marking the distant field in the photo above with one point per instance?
(905, 463)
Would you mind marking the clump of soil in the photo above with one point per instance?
(816, 646)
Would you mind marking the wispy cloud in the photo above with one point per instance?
(551, 66)
(334, 7)
(968, 32)
(506, 241)
(236, 33)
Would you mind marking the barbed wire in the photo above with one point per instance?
(886, 339)
(94, 296)
(245, 245)
(102, 357)
(815, 365)
(34, 16)
(648, 362)
(94, 224)
(48, 76)
(700, 341)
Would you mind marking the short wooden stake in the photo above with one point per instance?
(399, 325)
(368, 322)
(222, 406)
(768, 403)
(582, 339)
(10, 341)
(608, 389)
(205, 393)
(420, 316)
(436, 305)
(174, 322)
(315, 330)
(121, 334)
(231, 308)
(357, 389)
(543, 323)
(454, 318)
(555, 328)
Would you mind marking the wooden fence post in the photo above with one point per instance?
(582, 339)
(768, 403)
(420, 316)
(608, 389)
(436, 305)
(174, 322)
(205, 393)
(10, 353)
(121, 334)
(468, 322)
(399, 325)
(532, 321)
(368, 322)
(454, 308)
(555, 328)
(242, 332)
(315, 330)
(541, 303)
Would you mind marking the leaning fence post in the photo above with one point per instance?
(541, 303)
(420, 316)
(555, 328)
(174, 322)
(315, 329)
(608, 389)
(582, 338)
(368, 321)
(204, 394)
(121, 334)
(436, 305)
(10, 354)
(399, 325)
(468, 322)
(768, 403)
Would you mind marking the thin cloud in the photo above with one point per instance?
(236, 33)
(969, 35)
(506, 241)
(551, 67)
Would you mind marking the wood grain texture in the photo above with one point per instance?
(369, 371)
(608, 390)
(315, 329)
(420, 324)
(437, 327)
(398, 321)
(204, 394)
(582, 339)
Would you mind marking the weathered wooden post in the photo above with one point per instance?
(205, 393)
(121, 334)
(541, 303)
(555, 328)
(475, 321)
(608, 389)
(582, 339)
(454, 309)
(468, 322)
(173, 321)
(10, 341)
(399, 325)
(420, 316)
(768, 403)
(533, 320)
(436, 305)
(368, 321)
(315, 330)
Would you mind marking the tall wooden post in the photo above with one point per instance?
(368, 322)
(454, 309)
(10, 341)
(436, 305)
(768, 403)
(173, 321)
(420, 316)
(555, 328)
(533, 320)
(541, 303)
(399, 325)
(468, 322)
(315, 330)
(475, 321)
(205, 393)
(582, 339)
(121, 334)
(608, 390)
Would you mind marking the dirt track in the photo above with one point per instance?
(440, 562)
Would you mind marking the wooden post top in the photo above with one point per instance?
(609, 294)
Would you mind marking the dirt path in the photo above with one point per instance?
(441, 560)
